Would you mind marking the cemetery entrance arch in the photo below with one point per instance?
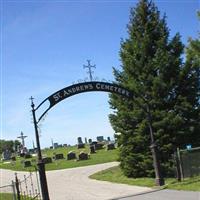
(81, 88)
(57, 97)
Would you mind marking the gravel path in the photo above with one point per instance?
(74, 184)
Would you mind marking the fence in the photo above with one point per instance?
(24, 188)
(187, 163)
(8, 189)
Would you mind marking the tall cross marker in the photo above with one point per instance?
(22, 137)
(90, 72)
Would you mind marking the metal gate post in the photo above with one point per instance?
(40, 164)
(14, 192)
(17, 186)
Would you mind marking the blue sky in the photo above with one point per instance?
(44, 45)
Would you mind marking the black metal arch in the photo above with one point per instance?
(81, 88)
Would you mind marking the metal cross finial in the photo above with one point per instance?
(90, 72)
(32, 104)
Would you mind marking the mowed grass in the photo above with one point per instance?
(115, 175)
(6, 196)
(101, 156)
(9, 196)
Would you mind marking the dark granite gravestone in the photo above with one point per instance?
(92, 149)
(108, 139)
(83, 156)
(27, 156)
(110, 146)
(31, 151)
(100, 138)
(71, 155)
(97, 145)
(47, 160)
(90, 141)
(6, 155)
(13, 158)
(80, 146)
(55, 145)
(22, 155)
(80, 140)
(58, 156)
(27, 163)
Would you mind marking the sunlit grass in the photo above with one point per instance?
(9, 196)
(115, 175)
(102, 156)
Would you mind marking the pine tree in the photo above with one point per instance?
(188, 94)
(151, 68)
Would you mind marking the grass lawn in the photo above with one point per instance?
(102, 156)
(115, 174)
(8, 196)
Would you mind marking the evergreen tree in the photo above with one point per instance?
(188, 94)
(151, 69)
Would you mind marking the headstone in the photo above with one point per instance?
(110, 146)
(55, 145)
(80, 146)
(83, 156)
(27, 163)
(13, 158)
(108, 138)
(86, 140)
(71, 155)
(47, 160)
(22, 155)
(51, 147)
(58, 156)
(80, 140)
(97, 145)
(6, 155)
(64, 145)
(27, 156)
(92, 149)
(31, 151)
(60, 145)
(100, 139)
(90, 141)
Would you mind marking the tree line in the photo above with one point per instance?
(10, 145)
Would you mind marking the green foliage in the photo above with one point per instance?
(166, 93)
(9, 144)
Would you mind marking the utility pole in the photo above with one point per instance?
(40, 164)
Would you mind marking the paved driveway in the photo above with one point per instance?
(74, 184)
(164, 195)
